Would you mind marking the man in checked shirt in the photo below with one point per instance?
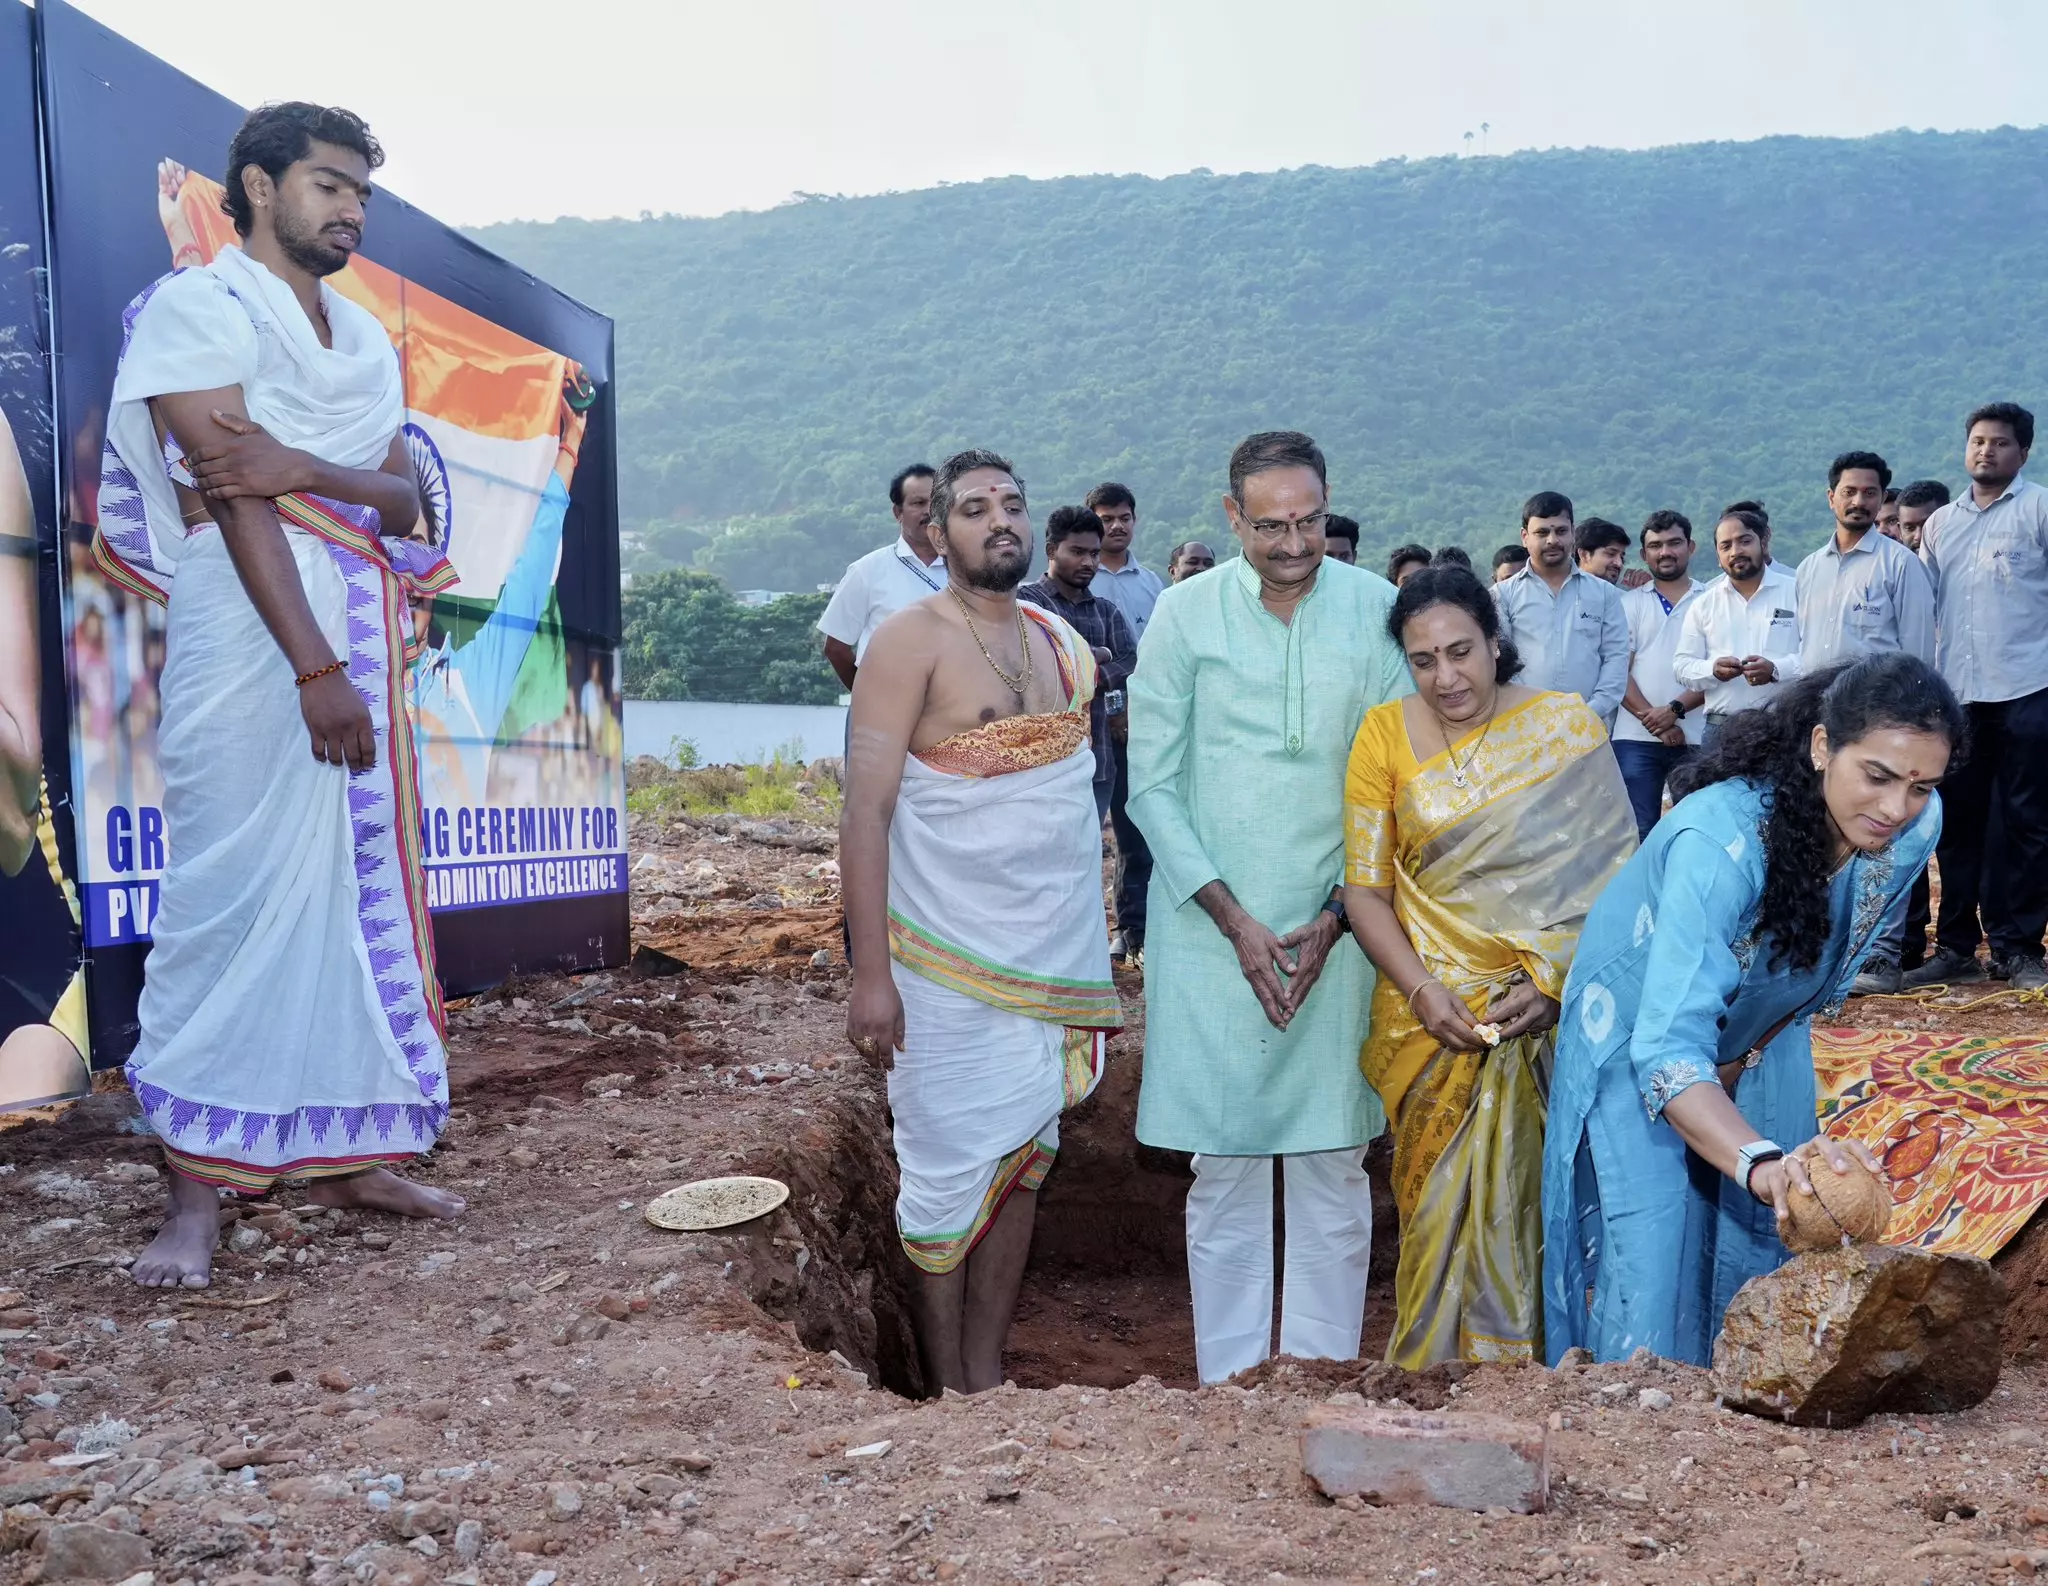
(1987, 553)
(1073, 549)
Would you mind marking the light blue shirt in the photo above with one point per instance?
(1573, 642)
(1132, 589)
(1873, 598)
(1990, 572)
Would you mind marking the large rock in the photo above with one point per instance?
(89, 1552)
(1837, 1335)
(1457, 1460)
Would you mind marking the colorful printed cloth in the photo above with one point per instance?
(1494, 851)
(1959, 1122)
(1000, 951)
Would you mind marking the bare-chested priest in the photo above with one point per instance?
(972, 857)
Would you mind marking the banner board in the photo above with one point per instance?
(43, 1040)
(515, 695)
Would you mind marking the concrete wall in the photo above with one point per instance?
(733, 734)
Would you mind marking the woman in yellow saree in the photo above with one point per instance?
(1482, 819)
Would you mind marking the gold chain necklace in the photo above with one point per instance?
(1016, 685)
(1458, 777)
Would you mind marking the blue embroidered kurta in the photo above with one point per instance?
(1670, 980)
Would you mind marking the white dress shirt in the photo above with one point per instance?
(1871, 599)
(1720, 622)
(1653, 630)
(874, 588)
(1990, 572)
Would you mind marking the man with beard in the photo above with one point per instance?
(290, 1016)
(971, 849)
(1660, 723)
(1862, 592)
(1739, 643)
(1567, 625)
(1255, 679)
(1073, 543)
(1602, 549)
(1988, 554)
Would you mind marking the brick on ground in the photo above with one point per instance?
(1457, 1461)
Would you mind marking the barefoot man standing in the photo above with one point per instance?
(972, 856)
(254, 475)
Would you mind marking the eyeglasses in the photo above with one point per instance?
(1270, 530)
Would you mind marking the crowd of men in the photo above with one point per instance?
(1231, 722)
(1661, 655)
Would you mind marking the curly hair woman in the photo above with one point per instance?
(1682, 1105)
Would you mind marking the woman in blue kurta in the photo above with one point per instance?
(1684, 1046)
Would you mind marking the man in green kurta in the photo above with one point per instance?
(1256, 675)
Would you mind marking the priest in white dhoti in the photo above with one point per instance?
(972, 854)
(255, 480)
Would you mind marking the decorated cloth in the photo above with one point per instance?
(1240, 728)
(1491, 880)
(1960, 1123)
(1670, 980)
(999, 948)
(290, 1016)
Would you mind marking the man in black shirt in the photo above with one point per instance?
(1073, 548)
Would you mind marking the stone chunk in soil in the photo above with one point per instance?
(1838, 1335)
(1454, 1460)
(91, 1552)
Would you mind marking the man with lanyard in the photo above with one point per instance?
(1988, 554)
(1073, 541)
(876, 586)
(1134, 591)
(1661, 722)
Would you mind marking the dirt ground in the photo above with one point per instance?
(551, 1390)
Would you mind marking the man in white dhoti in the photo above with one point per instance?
(254, 477)
(972, 857)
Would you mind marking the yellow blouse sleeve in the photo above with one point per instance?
(1369, 799)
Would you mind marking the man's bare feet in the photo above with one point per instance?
(381, 1190)
(181, 1255)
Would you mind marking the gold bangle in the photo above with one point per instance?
(1427, 980)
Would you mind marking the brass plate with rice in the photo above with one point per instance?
(716, 1203)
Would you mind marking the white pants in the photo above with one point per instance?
(1230, 1258)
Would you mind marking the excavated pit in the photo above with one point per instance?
(1105, 1296)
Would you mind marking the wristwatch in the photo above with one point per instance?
(1677, 708)
(1336, 906)
(1748, 1158)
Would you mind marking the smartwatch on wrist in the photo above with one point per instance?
(1748, 1158)
(1335, 906)
(1677, 708)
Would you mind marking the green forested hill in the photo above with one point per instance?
(1671, 328)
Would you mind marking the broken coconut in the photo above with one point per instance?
(1837, 1335)
(1852, 1204)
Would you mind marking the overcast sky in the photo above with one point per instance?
(503, 109)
